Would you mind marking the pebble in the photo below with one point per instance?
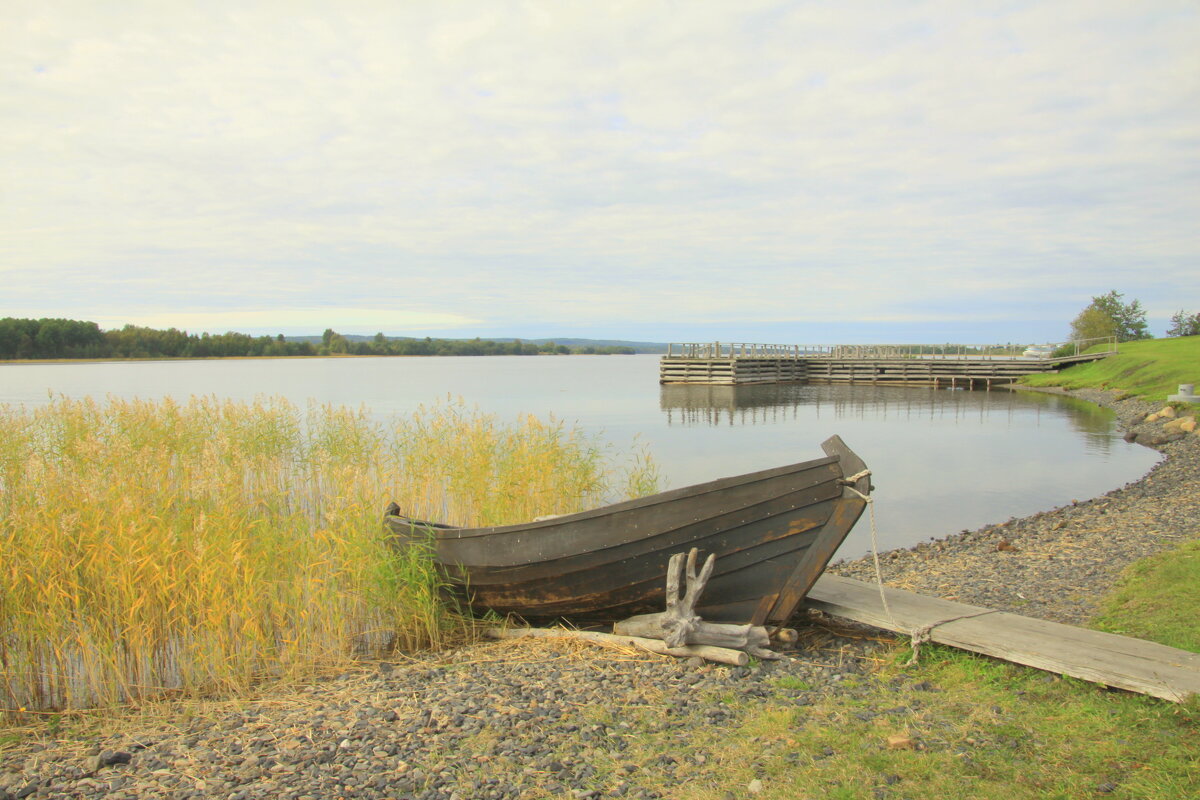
(490, 721)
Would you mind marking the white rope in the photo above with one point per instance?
(849, 484)
(917, 636)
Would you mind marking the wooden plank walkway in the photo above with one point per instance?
(1120, 661)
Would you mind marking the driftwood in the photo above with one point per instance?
(679, 625)
(720, 655)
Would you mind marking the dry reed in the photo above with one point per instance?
(205, 546)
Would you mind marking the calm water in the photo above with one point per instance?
(942, 460)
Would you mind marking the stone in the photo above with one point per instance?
(755, 786)
(1187, 424)
(900, 741)
(1167, 413)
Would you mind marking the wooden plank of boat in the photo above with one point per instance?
(773, 531)
(1120, 661)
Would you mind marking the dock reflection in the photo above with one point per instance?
(698, 405)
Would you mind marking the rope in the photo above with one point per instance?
(917, 636)
(855, 478)
(924, 633)
(849, 484)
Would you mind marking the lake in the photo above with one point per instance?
(942, 460)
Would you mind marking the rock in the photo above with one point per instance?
(900, 741)
(1151, 418)
(108, 759)
(1177, 425)
(1168, 412)
(1005, 546)
(755, 786)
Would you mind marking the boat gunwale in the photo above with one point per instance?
(444, 531)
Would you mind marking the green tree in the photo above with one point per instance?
(1184, 324)
(1107, 315)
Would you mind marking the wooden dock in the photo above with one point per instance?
(954, 366)
(1105, 658)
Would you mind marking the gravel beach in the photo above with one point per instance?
(555, 718)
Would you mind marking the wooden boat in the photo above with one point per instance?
(772, 532)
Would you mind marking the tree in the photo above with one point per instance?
(1092, 323)
(1184, 324)
(1108, 316)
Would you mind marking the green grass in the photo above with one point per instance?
(989, 730)
(1152, 369)
(1158, 598)
(970, 726)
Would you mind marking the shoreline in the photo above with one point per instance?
(508, 720)
(1057, 564)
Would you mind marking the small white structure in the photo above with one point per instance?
(1187, 394)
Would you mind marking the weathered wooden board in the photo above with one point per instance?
(1120, 661)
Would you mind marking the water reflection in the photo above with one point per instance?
(697, 405)
(943, 460)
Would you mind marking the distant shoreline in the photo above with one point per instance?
(18, 361)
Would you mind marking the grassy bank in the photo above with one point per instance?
(205, 546)
(1157, 599)
(955, 724)
(1152, 369)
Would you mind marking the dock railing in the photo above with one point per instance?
(1105, 345)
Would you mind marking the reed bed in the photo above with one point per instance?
(202, 547)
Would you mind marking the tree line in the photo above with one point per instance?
(333, 342)
(67, 338)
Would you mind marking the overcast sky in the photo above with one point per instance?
(752, 171)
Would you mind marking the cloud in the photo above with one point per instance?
(600, 164)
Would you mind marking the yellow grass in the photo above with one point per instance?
(204, 546)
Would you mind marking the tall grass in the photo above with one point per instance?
(207, 545)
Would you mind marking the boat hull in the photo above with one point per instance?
(772, 532)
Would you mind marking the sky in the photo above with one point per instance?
(785, 172)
